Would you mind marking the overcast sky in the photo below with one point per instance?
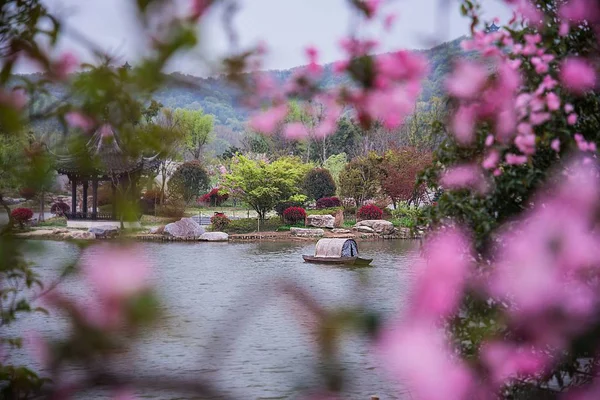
(287, 26)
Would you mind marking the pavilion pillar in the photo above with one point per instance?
(73, 195)
(94, 198)
(114, 199)
(85, 199)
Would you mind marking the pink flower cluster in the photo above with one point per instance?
(542, 276)
(386, 93)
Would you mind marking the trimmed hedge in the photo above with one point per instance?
(293, 215)
(328, 202)
(219, 222)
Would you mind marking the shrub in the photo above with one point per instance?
(328, 202)
(219, 222)
(248, 225)
(293, 215)
(214, 198)
(150, 199)
(370, 211)
(319, 183)
(21, 215)
(60, 208)
(171, 209)
(284, 205)
(27, 193)
(189, 180)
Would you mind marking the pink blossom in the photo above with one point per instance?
(443, 274)
(466, 80)
(199, 7)
(35, 344)
(313, 54)
(390, 106)
(267, 121)
(295, 131)
(572, 119)
(507, 361)
(577, 75)
(569, 108)
(524, 129)
(580, 10)
(539, 118)
(492, 159)
(553, 101)
(15, 98)
(419, 355)
(513, 159)
(540, 66)
(564, 29)
(526, 144)
(555, 145)
(489, 140)
(388, 22)
(372, 6)
(222, 170)
(401, 65)
(115, 272)
(463, 124)
(66, 64)
(464, 176)
(79, 120)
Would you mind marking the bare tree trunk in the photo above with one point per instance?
(41, 216)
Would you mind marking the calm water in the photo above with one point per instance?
(226, 296)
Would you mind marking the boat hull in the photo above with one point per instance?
(338, 260)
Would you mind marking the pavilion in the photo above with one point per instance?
(102, 160)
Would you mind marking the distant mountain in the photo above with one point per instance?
(218, 98)
(215, 95)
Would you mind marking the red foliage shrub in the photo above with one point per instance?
(328, 202)
(214, 198)
(219, 221)
(21, 215)
(370, 211)
(27, 193)
(293, 215)
(60, 208)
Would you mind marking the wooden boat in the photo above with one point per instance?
(337, 251)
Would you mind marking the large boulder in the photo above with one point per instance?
(214, 237)
(157, 230)
(80, 235)
(320, 221)
(379, 226)
(184, 228)
(305, 232)
(104, 231)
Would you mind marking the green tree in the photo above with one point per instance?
(262, 185)
(319, 183)
(197, 128)
(189, 181)
(335, 164)
(359, 178)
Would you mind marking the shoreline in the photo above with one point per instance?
(60, 234)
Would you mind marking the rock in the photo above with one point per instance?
(80, 235)
(184, 228)
(214, 237)
(341, 231)
(59, 231)
(338, 219)
(379, 226)
(306, 232)
(157, 230)
(405, 233)
(364, 229)
(104, 231)
(320, 221)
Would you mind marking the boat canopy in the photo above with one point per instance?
(334, 248)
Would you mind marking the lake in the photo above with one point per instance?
(227, 294)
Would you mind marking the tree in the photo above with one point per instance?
(335, 164)
(151, 111)
(398, 174)
(262, 185)
(319, 183)
(189, 181)
(359, 180)
(197, 128)
(171, 138)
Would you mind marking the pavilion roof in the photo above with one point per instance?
(103, 157)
